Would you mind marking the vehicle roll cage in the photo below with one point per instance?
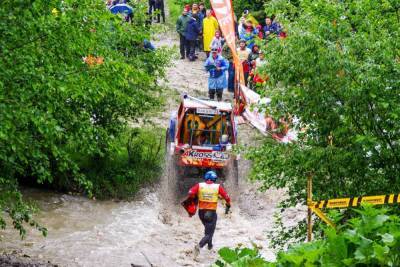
(193, 130)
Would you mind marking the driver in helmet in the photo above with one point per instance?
(207, 193)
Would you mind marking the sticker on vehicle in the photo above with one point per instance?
(212, 155)
(207, 111)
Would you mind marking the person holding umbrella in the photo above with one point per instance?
(122, 8)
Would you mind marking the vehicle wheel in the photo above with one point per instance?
(167, 146)
(169, 181)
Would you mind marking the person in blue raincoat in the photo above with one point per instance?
(216, 65)
(249, 35)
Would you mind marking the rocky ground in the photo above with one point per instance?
(17, 258)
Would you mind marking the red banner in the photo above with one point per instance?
(224, 12)
(244, 97)
(225, 16)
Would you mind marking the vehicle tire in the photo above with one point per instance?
(167, 146)
(169, 176)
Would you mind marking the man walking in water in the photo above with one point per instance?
(207, 193)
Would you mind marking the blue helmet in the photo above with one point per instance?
(210, 175)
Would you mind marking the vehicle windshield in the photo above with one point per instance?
(204, 138)
(206, 129)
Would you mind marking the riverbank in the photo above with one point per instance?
(18, 259)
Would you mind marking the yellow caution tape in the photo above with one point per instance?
(355, 201)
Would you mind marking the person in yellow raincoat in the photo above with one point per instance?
(210, 26)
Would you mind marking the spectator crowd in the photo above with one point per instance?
(199, 31)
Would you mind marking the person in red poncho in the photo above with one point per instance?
(207, 194)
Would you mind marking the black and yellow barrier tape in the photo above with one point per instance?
(355, 201)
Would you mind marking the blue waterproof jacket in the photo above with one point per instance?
(192, 30)
(217, 78)
(273, 28)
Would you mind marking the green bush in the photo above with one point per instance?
(240, 257)
(175, 10)
(371, 239)
(240, 5)
(137, 163)
(71, 76)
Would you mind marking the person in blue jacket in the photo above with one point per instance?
(216, 65)
(271, 27)
(249, 35)
(191, 34)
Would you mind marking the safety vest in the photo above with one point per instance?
(208, 196)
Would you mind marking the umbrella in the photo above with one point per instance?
(121, 8)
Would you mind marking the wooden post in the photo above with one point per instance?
(309, 211)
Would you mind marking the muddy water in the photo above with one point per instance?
(151, 229)
(85, 232)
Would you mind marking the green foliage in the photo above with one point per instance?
(255, 5)
(240, 257)
(55, 109)
(337, 73)
(283, 9)
(371, 239)
(20, 212)
(175, 10)
(281, 236)
(124, 172)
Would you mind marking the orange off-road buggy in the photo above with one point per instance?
(200, 138)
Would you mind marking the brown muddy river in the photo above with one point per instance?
(85, 232)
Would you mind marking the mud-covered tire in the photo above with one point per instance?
(169, 182)
(167, 146)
